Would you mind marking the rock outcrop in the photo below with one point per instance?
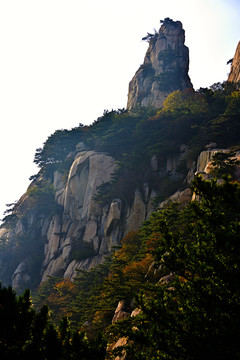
(234, 75)
(82, 231)
(75, 230)
(165, 67)
(122, 314)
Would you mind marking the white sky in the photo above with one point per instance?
(63, 62)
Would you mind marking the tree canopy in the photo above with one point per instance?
(192, 311)
(181, 269)
(28, 334)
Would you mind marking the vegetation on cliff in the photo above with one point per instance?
(191, 310)
(29, 334)
(132, 138)
(181, 268)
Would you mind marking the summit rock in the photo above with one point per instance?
(234, 75)
(165, 67)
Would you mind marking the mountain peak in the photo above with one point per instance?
(165, 67)
(234, 75)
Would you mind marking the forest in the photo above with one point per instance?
(177, 277)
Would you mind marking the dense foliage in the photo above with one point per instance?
(210, 115)
(192, 311)
(181, 269)
(28, 334)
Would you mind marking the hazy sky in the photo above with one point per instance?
(64, 62)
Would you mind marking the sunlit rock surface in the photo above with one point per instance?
(234, 75)
(164, 70)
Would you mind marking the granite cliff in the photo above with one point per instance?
(165, 67)
(82, 231)
(97, 183)
(234, 75)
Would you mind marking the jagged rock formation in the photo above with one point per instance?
(234, 75)
(165, 67)
(84, 231)
(81, 231)
(71, 229)
(75, 231)
(82, 221)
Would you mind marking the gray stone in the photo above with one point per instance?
(234, 75)
(91, 231)
(20, 275)
(164, 70)
(114, 215)
(80, 146)
(136, 214)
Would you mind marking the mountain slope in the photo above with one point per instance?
(96, 183)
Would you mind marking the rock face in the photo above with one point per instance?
(84, 231)
(81, 234)
(234, 75)
(165, 67)
(76, 239)
(76, 231)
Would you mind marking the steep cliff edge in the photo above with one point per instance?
(81, 231)
(97, 183)
(165, 67)
(234, 75)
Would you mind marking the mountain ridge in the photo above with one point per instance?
(97, 183)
